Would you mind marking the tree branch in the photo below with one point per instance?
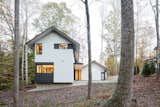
(83, 1)
(152, 7)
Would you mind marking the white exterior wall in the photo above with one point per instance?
(63, 59)
(96, 72)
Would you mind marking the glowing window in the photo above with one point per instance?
(63, 46)
(39, 48)
(45, 68)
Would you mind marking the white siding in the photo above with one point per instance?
(63, 59)
(96, 72)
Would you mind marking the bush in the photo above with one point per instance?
(136, 70)
(152, 67)
(148, 69)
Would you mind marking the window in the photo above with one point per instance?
(39, 48)
(102, 75)
(63, 46)
(46, 68)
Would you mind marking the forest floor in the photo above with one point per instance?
(146, 91)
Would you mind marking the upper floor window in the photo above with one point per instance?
(39, 48)
(63, 46)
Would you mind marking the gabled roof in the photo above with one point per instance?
(97, 64)
(48, 31)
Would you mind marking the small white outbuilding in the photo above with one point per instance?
(99, 71)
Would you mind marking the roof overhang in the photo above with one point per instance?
(53, 29)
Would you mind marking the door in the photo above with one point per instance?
(102, 75)
(78, 74)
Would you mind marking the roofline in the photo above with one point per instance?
(96, 63)
(49, 30)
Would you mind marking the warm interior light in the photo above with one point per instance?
(45, 68)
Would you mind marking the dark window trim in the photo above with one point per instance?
(70, 46)
(43, 63)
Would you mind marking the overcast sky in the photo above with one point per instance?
(95, 7)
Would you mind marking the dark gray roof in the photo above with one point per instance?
(97, 64)
(48, 31)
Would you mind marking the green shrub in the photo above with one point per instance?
(152, 67)
(148, 69)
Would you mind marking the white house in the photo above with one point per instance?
(56, 57)
(99, 71)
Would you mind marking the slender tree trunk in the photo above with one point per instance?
(157, 33)
(102, 32)
(89, 50)
(22, 68)
(23, 58)
(122, 95)
(16, 55)
(26, 63)
(26, 48)
(115, 57)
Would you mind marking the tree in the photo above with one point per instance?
(109, 63)
(89, 49)
(16, 55)
(7, 20)
(112, 36)
(58, 15)
(122, 94)
(27, 13)
(155, 9)
(143, 42)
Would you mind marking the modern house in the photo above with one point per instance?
(99, 71)
(56, 57)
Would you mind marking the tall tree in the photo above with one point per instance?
(28, 9)
(54, 14)
(155, 9)
(157, 32)
(16, 55)
(89, 49)
(112, 26)
(122, 94)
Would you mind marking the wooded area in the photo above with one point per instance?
(128, 47)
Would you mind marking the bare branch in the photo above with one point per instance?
(83, 1)
(152, 7)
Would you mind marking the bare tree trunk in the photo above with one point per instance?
(26, 48)
(157, 32)
(26, 63)
(16, 56)
(89, 50)
(23, 56)
(115, 57)
(122, 95)
(102, 34)
(156, 14)
(22, 68)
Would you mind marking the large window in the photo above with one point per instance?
(39, 48)
(63, 46)
(46, 68)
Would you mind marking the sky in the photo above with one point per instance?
(96, 6)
